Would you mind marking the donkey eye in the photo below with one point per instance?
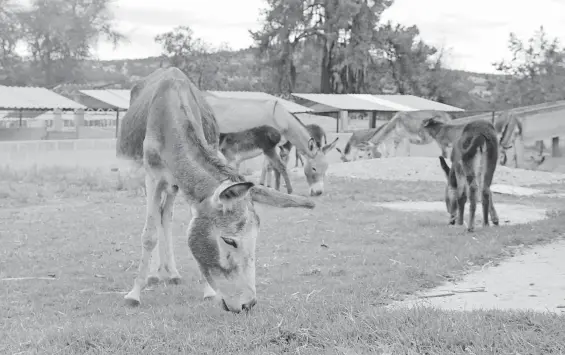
(230, 241)
(313, 169)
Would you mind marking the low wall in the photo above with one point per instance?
(101, 153)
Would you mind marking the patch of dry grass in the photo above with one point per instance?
(322, 276)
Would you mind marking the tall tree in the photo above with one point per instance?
(10, 34)
(190, 54)
(342, 29)
(409, 61)
(534, 74)
(60, 34)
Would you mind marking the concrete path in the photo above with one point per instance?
(534, 280)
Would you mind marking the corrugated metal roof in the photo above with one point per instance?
(418, 103)
(343, 102)
(29, 98)
(116, 98)
(289, 105)
(366, 102)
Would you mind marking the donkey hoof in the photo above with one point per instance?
(495, 222)
(470, 229)
(131, 302)
(153, 280)
(176, 280)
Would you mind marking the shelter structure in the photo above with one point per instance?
(33, 102)
(539, 122)
(289, 105)
(382, 107)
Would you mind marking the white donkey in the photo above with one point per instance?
(171, 130)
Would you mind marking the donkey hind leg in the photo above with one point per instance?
(279, 166)
(149, 237)
(492, 210)
(168, 266)
(264, 172)
(473, 194)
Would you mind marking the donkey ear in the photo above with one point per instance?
(233, 192)
(330, 146)
(339, 150)
(444, 166)
(428, 122)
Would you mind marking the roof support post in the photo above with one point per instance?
(344, 120)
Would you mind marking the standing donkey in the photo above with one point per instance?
(248, 144)
(473, 162)
(315, 168)
(172, 132)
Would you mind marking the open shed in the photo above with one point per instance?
(382, 107)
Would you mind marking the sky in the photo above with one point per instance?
(475, 33)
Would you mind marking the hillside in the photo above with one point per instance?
(241, 71)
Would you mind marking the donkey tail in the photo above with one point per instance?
(469, 151)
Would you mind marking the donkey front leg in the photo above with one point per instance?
(149, 238)
(298, 157)
(279, 166)
(264, 172)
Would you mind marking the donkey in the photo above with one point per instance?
(408, 125)
(445, 134)
(269, 168)
(248, 144)
(360, 142)
(172, 132)
(473, 162)
(315, 169)
(237, 114)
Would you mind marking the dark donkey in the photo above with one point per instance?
(248, 144)
(473, 162)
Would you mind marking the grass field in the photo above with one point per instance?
(322, 275)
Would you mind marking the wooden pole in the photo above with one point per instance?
(117, 121)
(555, 152)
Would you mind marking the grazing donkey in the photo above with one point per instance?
(315, 168)
(268, 167)
(248, 144)
(408, 125)
(473, 162)
(171, 131)
(360, 142)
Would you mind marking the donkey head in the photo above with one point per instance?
(431, 122)
(450, 190)
(315, 169)
(222, 236)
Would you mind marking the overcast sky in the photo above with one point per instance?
(475, 32)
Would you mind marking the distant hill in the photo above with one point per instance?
(240, 70)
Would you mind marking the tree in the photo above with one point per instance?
(60, 34)
(409, 61)
(10, 34)
(190, 54)
(342, 30)
(535, 73)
